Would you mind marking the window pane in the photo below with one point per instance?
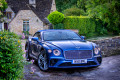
(26, 25)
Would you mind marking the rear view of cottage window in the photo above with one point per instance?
(26, 27)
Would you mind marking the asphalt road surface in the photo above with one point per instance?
(109, 70)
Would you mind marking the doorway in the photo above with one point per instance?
(5, 26)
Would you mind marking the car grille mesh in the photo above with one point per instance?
(78, 54)
(87, 64)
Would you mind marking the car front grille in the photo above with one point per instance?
(78, 54)
(90, 63)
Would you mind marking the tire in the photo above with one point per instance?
(28, 58)
(43, 61)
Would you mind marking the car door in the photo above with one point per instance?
(36, 44)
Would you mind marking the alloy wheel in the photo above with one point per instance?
(42, 61)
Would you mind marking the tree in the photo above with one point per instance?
(106, 11)
(3, 6)
(65, 4)
(74, 12)
(81, 4)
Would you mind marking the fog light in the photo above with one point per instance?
(49, 51)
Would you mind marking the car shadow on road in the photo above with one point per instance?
(72, 70)
(67, 70)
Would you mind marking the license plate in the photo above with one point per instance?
(79, 61)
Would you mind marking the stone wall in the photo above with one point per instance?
(109, 46)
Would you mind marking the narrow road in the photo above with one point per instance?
(109, 70)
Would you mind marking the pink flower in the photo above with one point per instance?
(25, 51)
(32, 61)
(23, 55)
(23, 36)
(33, 69)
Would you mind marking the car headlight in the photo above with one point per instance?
(56, 52)
(96, 50)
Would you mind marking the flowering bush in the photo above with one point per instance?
(21, 36)
(11, 64)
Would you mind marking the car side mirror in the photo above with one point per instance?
(83, 37)
(35, 39)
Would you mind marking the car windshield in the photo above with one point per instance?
(60, 35)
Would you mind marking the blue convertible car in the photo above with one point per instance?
(62, 49)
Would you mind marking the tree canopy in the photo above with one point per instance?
(3, 6)
(107, 11)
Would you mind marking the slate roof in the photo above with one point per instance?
(42, 9)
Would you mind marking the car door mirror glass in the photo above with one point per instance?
(35, 39)
(83, 37)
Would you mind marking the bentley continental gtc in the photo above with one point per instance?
(62, 49)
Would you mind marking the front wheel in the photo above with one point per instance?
(42, 61)
(28, 58)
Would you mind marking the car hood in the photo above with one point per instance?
(72, 45)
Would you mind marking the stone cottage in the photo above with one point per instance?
(27, 15)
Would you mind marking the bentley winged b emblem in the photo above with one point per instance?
(78, 47)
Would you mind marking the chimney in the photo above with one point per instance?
(33, 3)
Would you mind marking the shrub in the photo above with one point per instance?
(73, 12)
(59, 26)
(100, 28)
(8, 34)
(11, 65)
(55, 17)
(84, 24)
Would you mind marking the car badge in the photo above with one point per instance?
(78, 47)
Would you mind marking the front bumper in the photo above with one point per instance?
(60, 62)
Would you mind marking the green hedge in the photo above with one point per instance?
(59, 26)
(84, 24)
(11, 64)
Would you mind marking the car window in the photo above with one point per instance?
(37, 35)
(60, 35)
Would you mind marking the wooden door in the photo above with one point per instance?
(5, 26)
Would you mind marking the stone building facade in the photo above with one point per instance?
(34, 22)
(27, 15)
